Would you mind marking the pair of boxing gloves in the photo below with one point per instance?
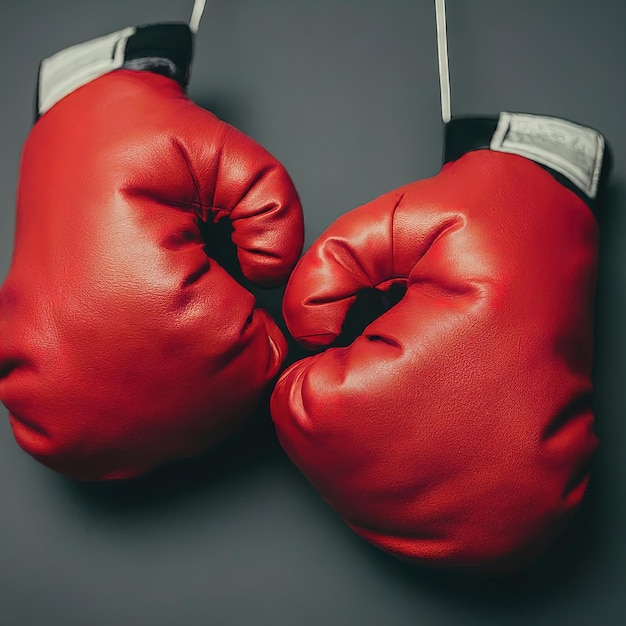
(455, 430)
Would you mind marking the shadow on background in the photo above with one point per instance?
(220, 469)
(546, 582)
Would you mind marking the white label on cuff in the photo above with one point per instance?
(74, 67)
(572, 150)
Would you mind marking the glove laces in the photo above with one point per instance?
(196, 15)
(442, 55)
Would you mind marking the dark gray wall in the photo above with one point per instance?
(345, 93)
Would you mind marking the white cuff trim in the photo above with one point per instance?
(574, 151)
(74, 67)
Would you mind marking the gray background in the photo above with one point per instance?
(345, 93)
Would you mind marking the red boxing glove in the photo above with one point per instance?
(457, 429)
(124, 344)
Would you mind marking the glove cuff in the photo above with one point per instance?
(162, 48)
(577, 156)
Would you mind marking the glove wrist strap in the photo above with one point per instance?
(577, 156)
(162, 48)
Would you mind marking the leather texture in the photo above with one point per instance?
(457, 429)
(124, 344)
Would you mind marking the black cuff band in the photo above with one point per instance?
(161, 48)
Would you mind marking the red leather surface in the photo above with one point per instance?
(458, 428)
(124, 344)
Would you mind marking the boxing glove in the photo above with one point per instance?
(124, 343)
(457, 429)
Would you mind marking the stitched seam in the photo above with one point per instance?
(253, 183)
(185, 156)
(357, 261)
(447, 225)
(393, 247)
